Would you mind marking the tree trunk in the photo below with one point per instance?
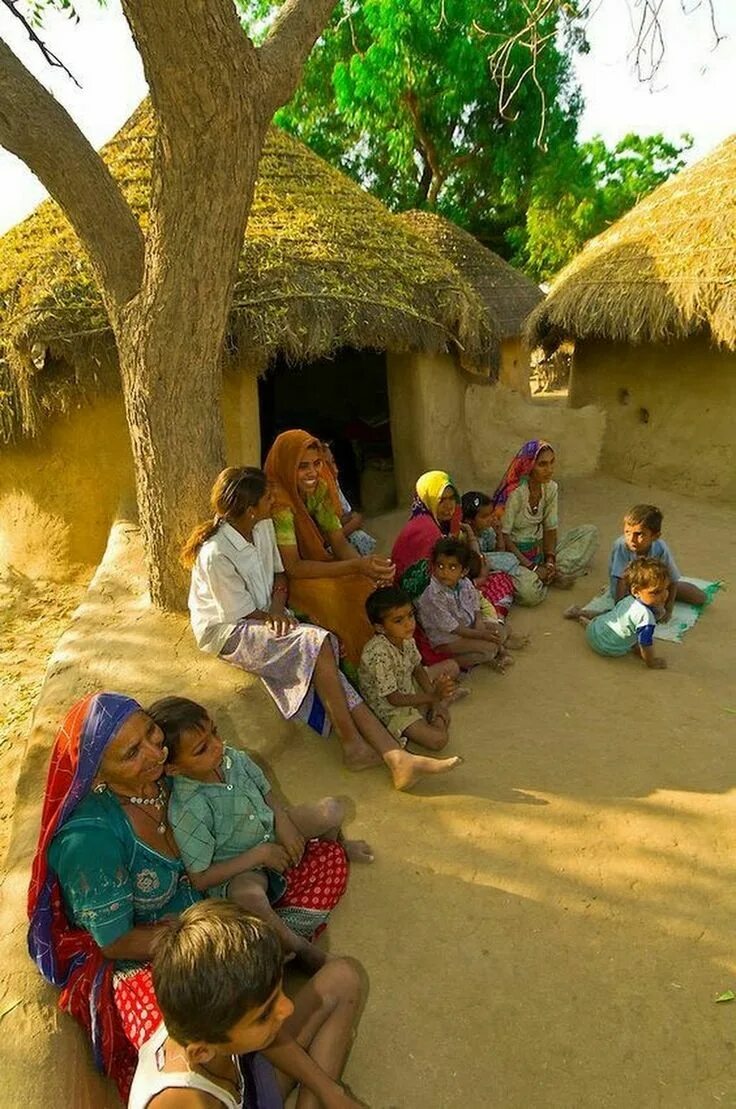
(170, 348)
(213, 96)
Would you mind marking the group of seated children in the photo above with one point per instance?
(644, 584)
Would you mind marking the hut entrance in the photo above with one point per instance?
(342, 399)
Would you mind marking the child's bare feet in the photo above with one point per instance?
(458, 694)
(358, 851)
(574, 612)
(515, 642)
(358, 755)
(407, 769)
(502, 662)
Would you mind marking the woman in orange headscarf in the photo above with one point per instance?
(328, 580)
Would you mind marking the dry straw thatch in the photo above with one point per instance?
(664, 271)
(324, 266)
(507, 295)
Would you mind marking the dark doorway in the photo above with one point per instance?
(342, 399)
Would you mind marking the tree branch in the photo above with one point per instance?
(294, 31)
(179, 38)
(39, 131)
(49, 57)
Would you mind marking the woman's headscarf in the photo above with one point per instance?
(281, 470)
(67, 956)
(429, 490)
(521, 466)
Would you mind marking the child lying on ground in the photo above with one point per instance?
(630, 625)
(235, 838)
(410, 700)
(449, 610)
(230, 1035)
(642, 539)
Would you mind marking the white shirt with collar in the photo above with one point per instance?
(231, 578)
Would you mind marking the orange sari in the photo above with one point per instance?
(337, 604)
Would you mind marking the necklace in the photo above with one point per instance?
(158, 802)
(237, 1083)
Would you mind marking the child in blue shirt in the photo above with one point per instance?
(630, 625)
(235, 838)
(642, 539)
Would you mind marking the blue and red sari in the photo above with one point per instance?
(66, 955)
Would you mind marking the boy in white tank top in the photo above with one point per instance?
(218, 979)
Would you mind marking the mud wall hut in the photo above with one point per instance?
(507, 295)
(651, 307)
(329, 283)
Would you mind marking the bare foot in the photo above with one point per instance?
(358, 851)
(516, 642)
(458, 694)
(502, 662)
(574, 612)
(357, 755)
(407, 770)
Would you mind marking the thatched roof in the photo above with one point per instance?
(664, 271)
(324, 266)
(507, 295)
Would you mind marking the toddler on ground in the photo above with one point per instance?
(411, 700)
(235, 838)
(449, 610)
(630, 625)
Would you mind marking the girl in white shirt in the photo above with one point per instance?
(238, 609)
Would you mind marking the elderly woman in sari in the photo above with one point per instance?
(328, 579)
(106, 875)
(526, 502)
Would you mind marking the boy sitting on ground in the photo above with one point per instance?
(642, 539)
(217, 974)
(450, 614)
(411, 700)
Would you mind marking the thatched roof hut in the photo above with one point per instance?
(664, 271)
(651, 307)
(508, 296)
(324, 266)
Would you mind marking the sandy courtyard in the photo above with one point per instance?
(548, 926)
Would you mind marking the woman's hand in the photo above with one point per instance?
(272, 855)
(377, 568)
(467, 533)
(545, 573)
(289, 836)
(281, 623)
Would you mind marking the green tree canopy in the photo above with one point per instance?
(402, 96)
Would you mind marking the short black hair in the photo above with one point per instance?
(175, 715)
(647, 515)
(452, 548)
(214, 964)
(381, 601)
(472, 503)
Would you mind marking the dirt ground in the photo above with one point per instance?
(549, 925)
(33, 614)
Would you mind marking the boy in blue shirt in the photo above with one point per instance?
(642, 539)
